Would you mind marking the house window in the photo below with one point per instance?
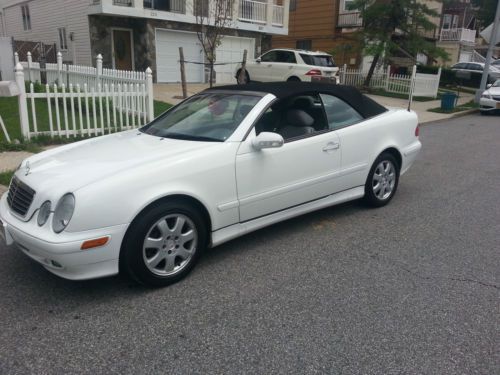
(348, 5)
(201, 8)
(25, 11)
(63, 42)
(447, 21)
(293, 5)
(454, 23)
(304, 44)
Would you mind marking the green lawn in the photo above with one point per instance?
(460, 108)
(10, 115)
(5, 177)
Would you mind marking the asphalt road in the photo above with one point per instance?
(412, 288)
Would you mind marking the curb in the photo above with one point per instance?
(453, 115)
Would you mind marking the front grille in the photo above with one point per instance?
(20, 197)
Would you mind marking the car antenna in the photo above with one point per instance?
(412, 86)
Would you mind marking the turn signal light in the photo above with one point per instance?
(314, 72)
(90, 244)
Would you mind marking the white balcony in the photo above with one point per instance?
(349, 19)
(253, 11)
(458, 35)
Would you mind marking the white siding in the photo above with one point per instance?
(46, 17)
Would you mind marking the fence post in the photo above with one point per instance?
(243, 71)
(23, 103)
(16, 58)
(387, 77)
(412, 85)
(30, 66)
(183, 73)
(59, 68)
(149, 90)
(99, 69)
(344, 72)
(438, 80)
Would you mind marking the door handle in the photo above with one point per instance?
(331, 146)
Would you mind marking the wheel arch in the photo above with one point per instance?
(395, 153)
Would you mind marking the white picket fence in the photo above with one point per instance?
(424, 84)
(84, 110)
(59, 73)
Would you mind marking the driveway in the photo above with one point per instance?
(411, 288)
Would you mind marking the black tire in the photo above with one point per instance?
(134, 252)
(246, 78)
(382, 197)
(293, 79)
(483, 113)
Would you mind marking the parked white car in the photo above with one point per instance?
(290, 65)
(223, 163)
(490, 99)
(470, 69)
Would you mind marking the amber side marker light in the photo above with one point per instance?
(90, 244)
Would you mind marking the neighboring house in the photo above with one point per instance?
(136, 34)
(458, 31)
(330, 26)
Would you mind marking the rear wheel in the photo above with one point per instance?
(293, 79)
(163, 245)
(243, 80)
(382, 181)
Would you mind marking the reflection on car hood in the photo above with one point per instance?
(493, 91)
(78, 164)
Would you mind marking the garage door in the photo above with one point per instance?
(231, 50)
(167, 56)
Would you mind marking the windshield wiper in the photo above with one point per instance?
(188, 137)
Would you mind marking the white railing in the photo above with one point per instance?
(77, 74)
(424, 84)
(350, 19)
(477, 57)
(125, 3)
(175, 6)
(278, 15)
(253, 11)
(80, 109)
(458, 35)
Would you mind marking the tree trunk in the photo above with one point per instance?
(371, 70)
(211, 74)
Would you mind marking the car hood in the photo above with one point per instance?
(76, 165)
(493, 91)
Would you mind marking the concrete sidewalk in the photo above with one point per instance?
(171, 93)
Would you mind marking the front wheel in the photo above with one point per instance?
(242, 80)
(163, 245)
(382, 181)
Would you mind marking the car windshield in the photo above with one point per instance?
(318, 60)
(496, 83)
(210, 117)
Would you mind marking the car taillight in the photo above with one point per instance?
(314, 72)
(417, 131)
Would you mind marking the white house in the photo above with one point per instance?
(135, 34)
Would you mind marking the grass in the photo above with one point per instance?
(5, 177)
(382, 92)
(9, 110)
(460, 108)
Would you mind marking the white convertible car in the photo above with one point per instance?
(222, 163)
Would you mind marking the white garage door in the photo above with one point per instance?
(167, 56)
(231, 50)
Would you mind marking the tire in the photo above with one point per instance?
(246, 78)
(382, 181)
(163, 244)
(293, 79)
(483, 113)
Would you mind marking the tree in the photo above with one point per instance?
(396, 25)
(213, 18)
(485, 11)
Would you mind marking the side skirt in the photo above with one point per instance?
(236, 230)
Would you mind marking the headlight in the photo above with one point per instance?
(63, 212)
(486, 96)
(43, 213)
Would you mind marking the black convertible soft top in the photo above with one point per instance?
(282, 90)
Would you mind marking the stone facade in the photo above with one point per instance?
(144, 38)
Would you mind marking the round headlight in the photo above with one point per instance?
(63, 212)
(43, 213)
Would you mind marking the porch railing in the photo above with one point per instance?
(458, 35)
(349, 19)
(253, 11)
(278, 15)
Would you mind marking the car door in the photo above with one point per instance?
(284, 66)
(304, 169)
(262, 71)
(356, 140)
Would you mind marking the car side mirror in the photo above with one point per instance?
(258, 61)
(488, 85)
(267, 140)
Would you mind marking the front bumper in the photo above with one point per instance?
(63, 256)
(489, 104)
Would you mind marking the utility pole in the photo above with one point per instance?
(493, 42)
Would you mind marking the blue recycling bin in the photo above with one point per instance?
(449, 101)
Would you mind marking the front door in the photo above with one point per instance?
(122, 50)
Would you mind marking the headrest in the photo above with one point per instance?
(298, 118)
(303, 102)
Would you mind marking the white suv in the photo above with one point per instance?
(290, 65)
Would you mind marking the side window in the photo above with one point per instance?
(474, 67)
(269, 57)
(338, 112)
(286, 57)
(460, 66)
